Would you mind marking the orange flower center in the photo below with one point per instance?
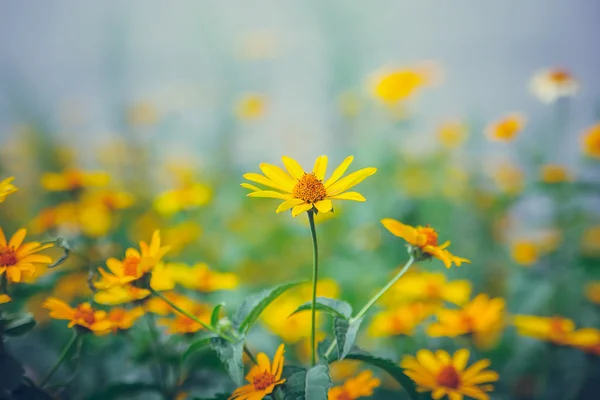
(433, 290)
(428, 235)
(557, 328)
(559, 76)
(130, 266)
(344, 395)
(448, 377)
(74, 178)
(309, 188)
(84, 313)
(8, 257)
(263, 381)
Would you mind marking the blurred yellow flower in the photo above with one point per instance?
(263, 377)
(122, 319)
(425, 239)
(73, 179)
(142, 113)
(158, 306)
(507, 128)
(590, 241)
(445, 375)
(18, 259)
(120, 295)
(182, 235)
(180, 323)
(592, 291)
(399, 321)
(344, 369)
(591, 141)
(83, 315)
(349, 104)
(525, 252)
(72, 285)
(4, 298)
(508, 178)
(354, 388)
(557, 330)
(187, 197)
(553, 173)
(201, 277)
(416, 181)
(111, 199)
(452, 134)
(250, 106)
(6, 188)
(392, 85)
(483, 318)
(303, 191)
(551, 84)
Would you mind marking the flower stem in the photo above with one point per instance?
(373, 300)
(61, 358)
(250, 355)
(313, 310)
(182, 311)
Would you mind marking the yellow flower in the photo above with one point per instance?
(392, 85)
(303, 191)
(482, 317)
(6, 188)
(553, 173)
(362, 385)
(263, 377)
(591, 141)
(557, 330)
(83, 315)
(4, 298)
(590, 241)
(399, 321)
(551, 84)
(508, 178)
(425, 239)
(344, 369)
(72, 285)
(111, 199)
(134, 266)
(182, 235)
(73, 179)
(507, 128)
(188, 197)
(122, 319)
(592, 292)
(158, 306)
(200, 277)
(183, 324)
(143, 113)
(250, 106)
(525, 252)
(446, 376)
(18, 259)
(452, 134)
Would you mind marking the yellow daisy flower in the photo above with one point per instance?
(303, 191)
(18, 259)
(425, 240)
(201, 277)
(359, 386)
(557, 330)
(554, 173)
(398, 321)
(263, 377)
(525, 252)
(73, 179)
(122, 319)
(451, 134)
(446, 376)
(83, 315)
(507, 128)
(6, 188)
(591, 141)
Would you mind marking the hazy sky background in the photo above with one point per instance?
(98, 57)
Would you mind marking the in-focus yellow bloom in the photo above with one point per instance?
(180, 323)
(134, 266)
(444, 375)
(557, 330)
(73, 179)
(6, 188)
(263, 377)
(525, 252)
(354, 388)
(399, 321)
(187, 197)
(83, 315)
(425, 239)
(553, 173)
(18, 259)
(590, 241)
(507, 128)
(483, 318)
(250, 106)
(201, 277)
(551, 84)
(303, 191)
(452, 134)
(592, 292)
(4, 298)
(591, 141)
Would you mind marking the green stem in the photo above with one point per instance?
(154, 336)
(250, 355)
(182, 311)
(313, 308)
(373, 300)
(61, 358)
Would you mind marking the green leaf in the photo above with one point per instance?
(294, 386)
(345, 333)
(337, 308)
(252, 307)
(20, 325)
(318, 382)
(390, 367)
(12, 372)
(230, 355)
(214, 318)
(220, 396)
(197, 345)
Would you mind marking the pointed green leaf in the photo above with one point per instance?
(214, 318)
(20, 325)
(294, 386)
(252, 307)
(345, 333)
(390, 367)
(230, 355)
(337, 308)
(318, 382)
(197, 345)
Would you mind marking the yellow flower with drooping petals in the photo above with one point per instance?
(354, 388)
(17, 259)
(250, 106)
(554, 173)
(590, 241)
(263, 377)
(452, 134)
(201, 277)
(425, 239)
(525, 252)
(73, 179)
(83, 315)
(507, 128)
(446, 375)
(398, 321)
(484, 318)
(4, 298)
(303, 191)
(591, 141)
(551, 84)
(557, 330)
(6, 188)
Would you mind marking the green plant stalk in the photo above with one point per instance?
(313, 308)
(61, 358)
(373, 300)
(153, 335)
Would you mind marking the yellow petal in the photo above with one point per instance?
(324, 206)
(339, 171)
(350, 181)
(17, 239)
(300, 209)
(249, 186)
(269, 194)
(397, 228)
(278, 175)
(263, 180)
(286, 205)
(427, 360)
(320, 167)
(460, 359)
(349, 196)
(263, 362)
(293, 167)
